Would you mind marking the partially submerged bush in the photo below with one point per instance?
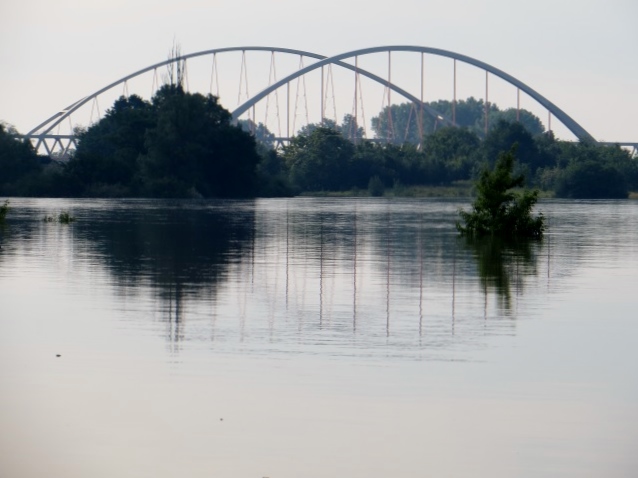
(498, 210)
(4, 209)
(63, 218)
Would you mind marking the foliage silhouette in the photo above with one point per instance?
(183, 144)
(498, 210)
(404, 123)
(19, 164)
(4, 209)
(178, 145)
(376, 187)
(63, 218)
(320, 160)
(591, 180)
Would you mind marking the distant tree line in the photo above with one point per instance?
(182, 144)
(408, 123)
(323, 158)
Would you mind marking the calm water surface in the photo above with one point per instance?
(315, 338)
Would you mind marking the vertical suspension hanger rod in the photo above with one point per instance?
(214, 77)
(390, 132)
(518, 104)
(420, 122)
(487, 103)
(454, 97)
(322, 106)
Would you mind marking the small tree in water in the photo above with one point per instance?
(499, 211)
(4, 209)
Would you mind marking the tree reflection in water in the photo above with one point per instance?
(180, 253)
(299, 273)
(501, 262)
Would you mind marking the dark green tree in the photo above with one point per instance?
(591, 180)
(306, 130)
(4, 209)
(399, 123)
(502, 136)
(528, 120)
(19, 164)
(455, 148)
(351, 130)
(193, 149)
(264, 137)
(375, 187)
(105, 162)
(373, 159)
(586, 170)
(498, 210)
(468, 113)
(320, 161)
(178, 145)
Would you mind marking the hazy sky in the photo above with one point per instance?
(581, 55)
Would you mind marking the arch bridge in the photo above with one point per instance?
(57, 134)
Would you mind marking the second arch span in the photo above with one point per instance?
(567, 120)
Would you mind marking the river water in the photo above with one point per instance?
(315, 338)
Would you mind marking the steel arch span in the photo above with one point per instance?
(563, 117)
(42, 132)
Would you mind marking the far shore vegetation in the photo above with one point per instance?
(184, 145)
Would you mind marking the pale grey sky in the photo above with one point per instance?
(580, 55)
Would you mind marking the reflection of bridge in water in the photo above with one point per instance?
(364, 277)
(287, 102)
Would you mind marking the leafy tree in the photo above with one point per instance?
(375, 187)
(4, 209)
(306, 130)
(405, 163)
(19, 164)
(468, 113)
(193, 149)
(586, 170)
(178, 145)
(373, 159)
(264, 137)
(591, 180)
(398, 124)
(351, 130)
(549, 149)
(105, 162)
(455, 148)
(321, 160)
(503, 135)
(498, 210)
(528, 120)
